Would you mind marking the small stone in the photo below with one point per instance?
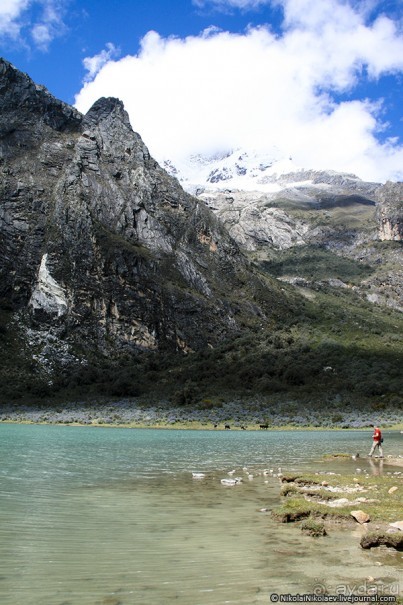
(360, 516)
(324, 483)
(397, 525)
(231, 482)
(393, 489)
(339, 502)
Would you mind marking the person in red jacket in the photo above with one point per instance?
(377, 441)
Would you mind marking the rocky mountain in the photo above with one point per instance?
(101, 249)
(389, 212)
(269, 207)
(257, 219)
(346, 218)
(116, 281)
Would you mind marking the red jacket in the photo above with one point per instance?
(377, 436)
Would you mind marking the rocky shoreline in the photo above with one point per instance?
(321, 502)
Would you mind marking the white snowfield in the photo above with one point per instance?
(266, 172)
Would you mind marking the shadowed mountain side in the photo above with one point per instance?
(101, 248)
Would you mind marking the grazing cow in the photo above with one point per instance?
(264, 426)
(227, 427)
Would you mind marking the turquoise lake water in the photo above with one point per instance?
(96, 516)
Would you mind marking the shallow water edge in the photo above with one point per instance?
(108, 517)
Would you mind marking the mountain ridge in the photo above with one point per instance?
(116, 281)
(266, 210)
(107, 243)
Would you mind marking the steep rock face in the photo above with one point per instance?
(281, 220)
(325, 213)
(389, 211)
(253, 223)
(99, 245)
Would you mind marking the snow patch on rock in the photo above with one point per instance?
(48, 295)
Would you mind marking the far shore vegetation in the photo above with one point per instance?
(238, 416)
(332, 359)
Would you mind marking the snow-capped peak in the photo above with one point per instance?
(237, 169)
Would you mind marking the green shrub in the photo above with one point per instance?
(289, 490)
(188, 395)
(313, 527)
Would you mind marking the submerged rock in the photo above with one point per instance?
(231, 482)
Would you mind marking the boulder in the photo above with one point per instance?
(374, 539)
(360, 516)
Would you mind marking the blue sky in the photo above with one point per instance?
(318, 80)
(86, 26)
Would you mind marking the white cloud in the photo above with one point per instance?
(94, 64)
(42, 35)
(220, 90)
(18, 24)
(10, 12)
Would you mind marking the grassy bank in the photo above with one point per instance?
(320, 503)
(322, 495)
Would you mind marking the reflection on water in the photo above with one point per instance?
(114, 517)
